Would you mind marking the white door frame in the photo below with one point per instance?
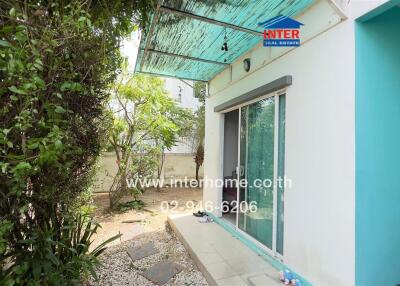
(238, 107)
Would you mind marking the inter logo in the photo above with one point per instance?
(281, 31)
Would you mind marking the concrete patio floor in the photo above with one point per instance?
(223, 259)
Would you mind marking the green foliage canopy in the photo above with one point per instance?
(146, 121)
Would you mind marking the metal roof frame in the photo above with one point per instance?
(170, 76)
(209, 20)
(186, 57)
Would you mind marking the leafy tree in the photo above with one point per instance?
(200, 92)
(57, 59)
(146, 121)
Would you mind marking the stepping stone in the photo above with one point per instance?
(142, 251)
(162, 272)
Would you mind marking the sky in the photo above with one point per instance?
(129, 49)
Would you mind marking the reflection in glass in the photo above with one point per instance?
(257, 166)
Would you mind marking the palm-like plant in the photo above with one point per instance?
(199, 130)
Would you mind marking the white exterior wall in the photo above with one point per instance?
(320, 207)
(213, 156)
(358, 8)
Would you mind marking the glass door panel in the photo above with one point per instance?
(257, 167)
(243, 165)
(281, 174)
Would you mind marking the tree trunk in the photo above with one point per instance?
(197, 172)
(159, 169)
(118, 189)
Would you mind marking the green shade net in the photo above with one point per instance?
(182, 35)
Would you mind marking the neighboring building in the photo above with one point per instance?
(182, 92)
(179, 161)
(326, 115)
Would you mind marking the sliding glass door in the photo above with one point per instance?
(257, 167)
(260, 162)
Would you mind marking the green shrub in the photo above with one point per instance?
(57, 61)
(131, 205)
(57, 258)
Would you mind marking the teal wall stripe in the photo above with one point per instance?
(262, 253)
(378, 150)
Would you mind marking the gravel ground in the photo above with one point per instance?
(112, 222)
(118, 268)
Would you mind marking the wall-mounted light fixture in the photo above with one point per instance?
(246, 64)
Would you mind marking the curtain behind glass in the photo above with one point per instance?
(257, 163)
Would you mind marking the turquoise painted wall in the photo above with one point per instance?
(378, 150)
